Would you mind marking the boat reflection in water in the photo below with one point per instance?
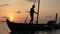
(22, 32)
(37, 32)
(34, 32)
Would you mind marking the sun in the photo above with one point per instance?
(11, 18)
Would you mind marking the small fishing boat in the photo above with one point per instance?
(30, 27)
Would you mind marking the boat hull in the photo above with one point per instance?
(30, 27)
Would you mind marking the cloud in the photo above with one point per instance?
(5, 17)
(4, 5)
(18, 12)
(32, 0)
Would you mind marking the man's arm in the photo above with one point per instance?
(35, 12)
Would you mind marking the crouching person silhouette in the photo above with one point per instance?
(32, 14)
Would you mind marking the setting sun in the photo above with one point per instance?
(11, 18)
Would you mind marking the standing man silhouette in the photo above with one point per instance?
(32, 14)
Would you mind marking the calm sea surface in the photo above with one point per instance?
(36, 32)
(5, 30)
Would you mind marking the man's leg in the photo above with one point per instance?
(31, 21)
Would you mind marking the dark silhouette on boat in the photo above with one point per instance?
(32, 11)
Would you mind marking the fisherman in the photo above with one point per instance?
(32, 13)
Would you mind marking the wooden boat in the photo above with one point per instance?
(30, 27)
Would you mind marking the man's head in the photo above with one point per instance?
(33, 6)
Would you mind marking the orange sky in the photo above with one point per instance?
(47, 8)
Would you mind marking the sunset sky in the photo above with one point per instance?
(48, 9)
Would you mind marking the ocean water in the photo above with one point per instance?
(5, 30)
(36, 32)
